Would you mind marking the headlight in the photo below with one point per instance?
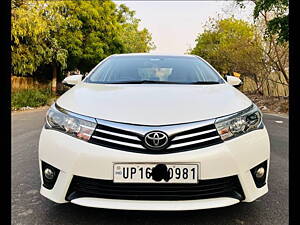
(70, 123)
(239, 123)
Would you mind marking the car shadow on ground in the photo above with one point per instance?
(235, 214)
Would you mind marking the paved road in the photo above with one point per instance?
(30, 208)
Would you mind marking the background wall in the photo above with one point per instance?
(274, 86)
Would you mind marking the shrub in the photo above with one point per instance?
(30, 97)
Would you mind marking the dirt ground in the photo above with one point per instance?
(267, 104)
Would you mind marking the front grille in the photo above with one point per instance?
(116, 138)
(195, 138)
(182, 137)
(205, 189)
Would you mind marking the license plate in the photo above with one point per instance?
(155, 173)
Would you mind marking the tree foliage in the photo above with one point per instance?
(133, 40)
(233, 45)
(271, 20)
(230, 46)
(29, 30)
(72, 34)
(278, 10)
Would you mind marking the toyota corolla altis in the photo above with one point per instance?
(153, 132)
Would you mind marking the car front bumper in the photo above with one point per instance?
(76, 157)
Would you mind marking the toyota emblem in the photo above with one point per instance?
(156, 140)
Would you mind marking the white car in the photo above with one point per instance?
(154, 132)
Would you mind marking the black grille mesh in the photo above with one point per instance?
(88, 187)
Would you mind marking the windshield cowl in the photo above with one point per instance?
(158, 82)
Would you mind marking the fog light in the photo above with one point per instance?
(260, 172)
(49, 174)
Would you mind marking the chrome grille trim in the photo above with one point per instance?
(118, 134)
(192, 142)
(193, 134)
(170, 130)
(120, 142)
(130, 137)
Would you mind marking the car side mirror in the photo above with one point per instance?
(234, 81)
(72, 80)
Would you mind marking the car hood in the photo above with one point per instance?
(153, 104)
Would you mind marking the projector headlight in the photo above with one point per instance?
(239, 123)
(70, 123)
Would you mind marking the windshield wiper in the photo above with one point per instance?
(143, 82)
(205, 82)
(158, 82)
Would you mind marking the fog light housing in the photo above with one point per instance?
(49, 174)
(259, 174)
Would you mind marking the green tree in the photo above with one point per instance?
(72, 34)
(276, 15)
(133, 39)
(230, 45)
(271, 19)
(29, 30)
(100, 30)
(37, 31)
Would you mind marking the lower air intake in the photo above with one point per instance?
(213, 188)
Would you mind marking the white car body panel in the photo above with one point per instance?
(153, 104)
(155, 205)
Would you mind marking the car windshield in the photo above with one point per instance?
(154, 69)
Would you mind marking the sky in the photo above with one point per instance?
(175, 25)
